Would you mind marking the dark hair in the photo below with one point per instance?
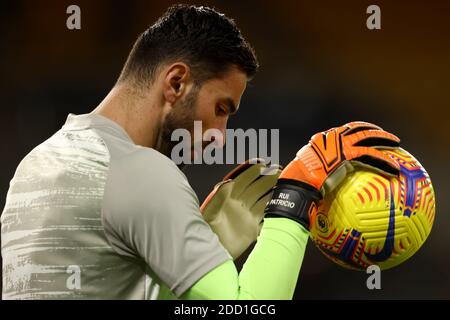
(203, 38)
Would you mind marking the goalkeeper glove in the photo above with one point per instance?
(298, 190)
(235, 208)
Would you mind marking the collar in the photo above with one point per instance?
(92, 120)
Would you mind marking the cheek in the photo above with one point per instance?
(205, 109)
(206, 113)
(209, 120)
(214, 122)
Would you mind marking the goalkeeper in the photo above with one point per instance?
(100, 211)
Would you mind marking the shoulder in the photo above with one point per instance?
(145, 166)
(145, 179)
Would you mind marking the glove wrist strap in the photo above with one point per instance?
(294, 200)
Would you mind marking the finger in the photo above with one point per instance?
(376, 159)
(372, 138)
(356, 126)
(258, 209)
(271, 169)
(221, 185)
(259, 188)
(244, 179)
(242, 167)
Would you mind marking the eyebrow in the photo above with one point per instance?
(230, 103)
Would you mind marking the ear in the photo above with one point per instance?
(176, 79)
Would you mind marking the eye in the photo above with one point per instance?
(221, 110)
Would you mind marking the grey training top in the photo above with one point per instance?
(91, 215)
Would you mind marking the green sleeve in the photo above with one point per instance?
(270, 272)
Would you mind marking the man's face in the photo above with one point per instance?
(212, 104)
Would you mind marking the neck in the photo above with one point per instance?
(137, 113)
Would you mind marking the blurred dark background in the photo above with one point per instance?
(320, 67)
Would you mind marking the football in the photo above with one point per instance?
(374, 219)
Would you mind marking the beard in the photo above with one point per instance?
(181, 116)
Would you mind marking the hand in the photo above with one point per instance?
(235, 208)
(298, 189)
